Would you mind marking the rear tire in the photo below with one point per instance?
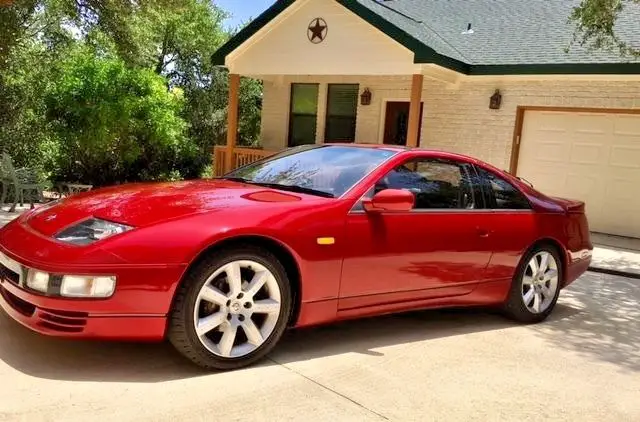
(231, 309)
(536, 286)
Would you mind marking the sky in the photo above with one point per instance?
(242, 10)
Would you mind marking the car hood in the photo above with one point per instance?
(142, 204)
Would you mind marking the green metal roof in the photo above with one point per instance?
(507, 37)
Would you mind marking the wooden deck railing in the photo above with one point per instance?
(241, 157)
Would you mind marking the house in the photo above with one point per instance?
(488, 78)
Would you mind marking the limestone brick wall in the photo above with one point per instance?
(456, 117)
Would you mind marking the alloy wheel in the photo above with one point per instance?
(237, 309)
(540, 282)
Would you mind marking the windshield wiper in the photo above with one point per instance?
(295, 188)
(236, 179)
(290, 188)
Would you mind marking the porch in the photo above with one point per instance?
(317, 109)
(239, 157)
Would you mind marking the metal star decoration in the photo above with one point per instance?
(317, 31)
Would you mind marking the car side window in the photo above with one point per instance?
(503, 195)
(436, 184)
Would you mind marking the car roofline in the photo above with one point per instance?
(407, 150)
(396, 148)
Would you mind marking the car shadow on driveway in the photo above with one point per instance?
(365, 335)
(62, 359)
(606, 326)
(78, 360)
(598, 316)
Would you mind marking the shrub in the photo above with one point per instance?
(207, 172)
(114, 124)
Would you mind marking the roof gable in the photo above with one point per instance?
(509, 36)
(345, 47)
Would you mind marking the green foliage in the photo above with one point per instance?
(186, 39)
(206, 111)
(23, 129)
(250, 107)
(106, 91)
(114, 123)
(207, 172)
(14, 23)
(595, 25)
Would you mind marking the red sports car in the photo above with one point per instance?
(312, 235)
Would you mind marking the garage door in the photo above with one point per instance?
(594, 157)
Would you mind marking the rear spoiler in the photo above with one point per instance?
(571, 206)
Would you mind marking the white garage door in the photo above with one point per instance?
(594, 157)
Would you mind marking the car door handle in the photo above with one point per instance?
(483, 232)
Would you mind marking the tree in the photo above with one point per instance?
(13, 24)
(596, 25)
(23, 80)
(164, 44)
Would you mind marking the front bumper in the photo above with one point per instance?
(136, 311)
(55, 322)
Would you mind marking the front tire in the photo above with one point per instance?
(231, 309)
(536, 286)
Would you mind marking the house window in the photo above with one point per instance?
(303, 114)
(342, 105)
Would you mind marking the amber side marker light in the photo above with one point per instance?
(326, 240)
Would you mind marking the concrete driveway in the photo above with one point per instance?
(583, 364)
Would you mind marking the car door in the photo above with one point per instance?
(512, 222)
(440, 247)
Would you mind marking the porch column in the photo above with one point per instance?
(413, 131)
(232, 120)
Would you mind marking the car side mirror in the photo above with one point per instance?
(390, 200)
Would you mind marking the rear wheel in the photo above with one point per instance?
(536, 286)
(231, 309)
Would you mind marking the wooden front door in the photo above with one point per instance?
(396, 122)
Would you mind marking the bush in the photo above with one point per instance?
(207, 172)
(114, 124)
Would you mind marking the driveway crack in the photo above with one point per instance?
(319, 384)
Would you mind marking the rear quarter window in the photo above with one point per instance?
(502, 194)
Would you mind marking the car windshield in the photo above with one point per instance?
(323, 170)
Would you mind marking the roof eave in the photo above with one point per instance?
(556, 69)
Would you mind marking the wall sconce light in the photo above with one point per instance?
(365, 97)
(496, 100)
